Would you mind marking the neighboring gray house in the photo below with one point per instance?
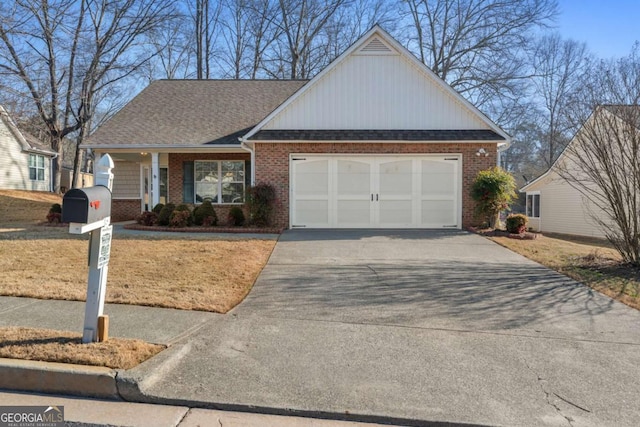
(25, 163)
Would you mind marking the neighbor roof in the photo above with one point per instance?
(193, 112)
(28, 142)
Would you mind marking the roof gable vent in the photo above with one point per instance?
(376, 47)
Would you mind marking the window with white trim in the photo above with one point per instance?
(220, 181)
(533, 205)
(36, 167)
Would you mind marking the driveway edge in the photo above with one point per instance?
(58, 378)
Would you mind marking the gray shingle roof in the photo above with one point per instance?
(193, 112)
(377, 135)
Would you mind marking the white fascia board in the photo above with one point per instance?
(387, 38)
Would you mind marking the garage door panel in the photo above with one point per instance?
(314, 212)
(396, 213)
(353, 178)
(312, 178)
(396, 177)
(438, 212)
(353, 213)
(438, 177)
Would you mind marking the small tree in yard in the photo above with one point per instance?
(493, 190)
(603, 160)
(261, 199)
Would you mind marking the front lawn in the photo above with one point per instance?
(200, 274)
(589, 261)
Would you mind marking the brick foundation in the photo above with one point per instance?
(272, 165)
(125, 209)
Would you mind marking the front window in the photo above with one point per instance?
(220, 181)
(533, 205)
(36, 167)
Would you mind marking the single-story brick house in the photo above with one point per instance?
(375, 140)
(25, 163)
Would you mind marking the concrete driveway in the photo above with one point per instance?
(411, 327)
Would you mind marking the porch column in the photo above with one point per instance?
(155, 180)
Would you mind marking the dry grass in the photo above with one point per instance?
(66, 347)
(47, 262)
(589, 261)
(25, 206)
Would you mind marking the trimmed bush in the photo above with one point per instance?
(205, 212)
(157, 208)
(493, 190)
(56, 208)
(164, 217)
(261, 200)
(147, 218)
(180, 218)
(236, 216)
(54, 216)
(517, 223)
(185, 208)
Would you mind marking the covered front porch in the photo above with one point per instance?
(143, 179)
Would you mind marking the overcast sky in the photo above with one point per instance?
(610, 27)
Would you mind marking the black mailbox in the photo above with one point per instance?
(86, 205)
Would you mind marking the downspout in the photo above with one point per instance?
(505, 147)
(52, 172)
(252, 153)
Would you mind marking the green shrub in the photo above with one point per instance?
(517, 223)
(236, 216)
(205, 214)
(180, 218)
(56, 208)
(261, 200)
(164, 217)
(493, 190)
(147, 218)
(185, 208)
(157, 208)
(54, 216)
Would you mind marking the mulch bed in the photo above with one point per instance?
(216, 229)
(490, 232)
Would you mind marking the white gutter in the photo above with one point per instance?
(252, 152)
(501, 148)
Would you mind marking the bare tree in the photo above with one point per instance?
(301, 24)
(64, 52)
(603, 160)
(206, 20)
(558, 66)
(475, 45)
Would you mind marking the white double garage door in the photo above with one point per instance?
(362, 191)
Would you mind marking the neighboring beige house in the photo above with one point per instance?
(25, 163)
(553, 205)
(375, 140)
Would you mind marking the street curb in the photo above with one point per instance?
(58, 378)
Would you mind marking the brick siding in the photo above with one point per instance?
(272, 165)
(125, 209)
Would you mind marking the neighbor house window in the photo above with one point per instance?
(533, 205)
(36, 167)
(220, 181)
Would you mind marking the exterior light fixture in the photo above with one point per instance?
(482, 152)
